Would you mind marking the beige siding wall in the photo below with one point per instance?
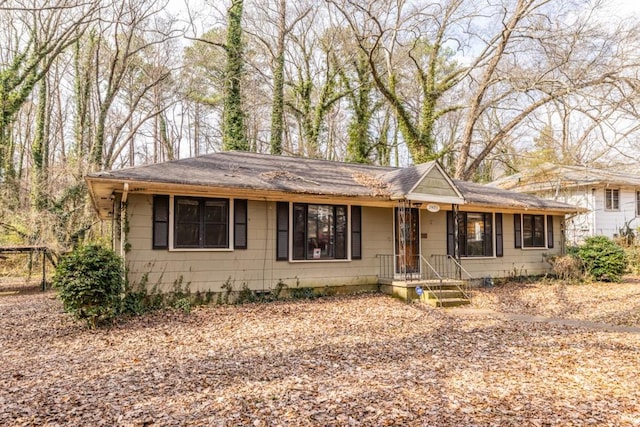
(435, 183)
(514, 262)
(258, 268)
(255, 266)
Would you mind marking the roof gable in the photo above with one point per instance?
(426, 182)
(435, 185)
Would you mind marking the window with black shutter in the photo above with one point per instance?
(533, 231)
(475, 234)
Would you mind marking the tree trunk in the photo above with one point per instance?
(40, 149)
(233, 127)
(277, 109)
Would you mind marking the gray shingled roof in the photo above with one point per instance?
(258, 172)
(262, 172)
(549, 176)
(479, 194)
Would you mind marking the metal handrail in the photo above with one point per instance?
(434, 291)
(461, 269)
(431, 269)
(431, 276)
(454, 270)
(388, 268)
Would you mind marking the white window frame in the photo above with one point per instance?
(319, 261)
(230, 228)
(612, 199)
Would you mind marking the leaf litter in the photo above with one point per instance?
(356, 360)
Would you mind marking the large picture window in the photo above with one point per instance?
(475, 234)
(201, 223)
(319, 232)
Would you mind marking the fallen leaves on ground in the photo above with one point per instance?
(357, 360)
(611, 303)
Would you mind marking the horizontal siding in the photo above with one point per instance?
(609, 223)
(514, 262)
(597, 221)
(256, 266)
(435, 183)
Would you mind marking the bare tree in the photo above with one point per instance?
(124, 37)
(35, 34)
(413, 39)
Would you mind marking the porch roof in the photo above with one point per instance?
(273, 176)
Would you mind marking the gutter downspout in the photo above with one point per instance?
(123, 219)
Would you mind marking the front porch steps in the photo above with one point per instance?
(447, 294)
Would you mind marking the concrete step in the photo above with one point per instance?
(444, 293)
(448, 302)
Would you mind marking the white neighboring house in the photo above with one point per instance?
(611, 197)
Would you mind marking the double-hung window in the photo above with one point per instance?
(199, 223)
(612, 199)
(533, 231)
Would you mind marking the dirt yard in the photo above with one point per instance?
(360, 360)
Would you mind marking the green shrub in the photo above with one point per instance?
(136, 299)
(603, 258)
(89, 282)
(304, 292)
(183, 304)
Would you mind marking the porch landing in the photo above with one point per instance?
(438, 293)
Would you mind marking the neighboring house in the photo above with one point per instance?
(611, 198)
(259, 219)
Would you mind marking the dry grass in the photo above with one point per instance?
(359, 360)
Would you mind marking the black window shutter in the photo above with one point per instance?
(282, 238)
(499, 236)
(356, 232)
(517, 230)
(550, 231)
(240, 224)
(488, 234)
(450, 234)
(160, 222)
